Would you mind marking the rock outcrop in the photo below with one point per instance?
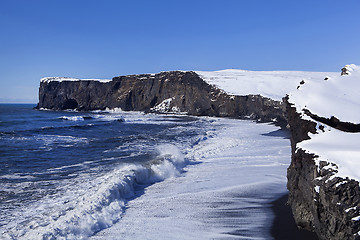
(321, 201)
(165, 92)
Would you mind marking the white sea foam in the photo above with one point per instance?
(225, 193)
(232, 168)
(89, 206)
(172, 162)
(109, 110)
(109, 117)
(135, 117)
(114, 110)
(45, 109)
(72, 118)
(51, 139)
(16, 176)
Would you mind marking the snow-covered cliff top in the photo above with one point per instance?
(272, 84)
(338, 96)
(337, 147)
(60, 79)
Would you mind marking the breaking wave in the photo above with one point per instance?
(80, 213)
(72, 118)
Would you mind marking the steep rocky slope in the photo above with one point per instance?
(323, 178)
(177, 91)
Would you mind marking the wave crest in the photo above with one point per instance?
(102, 202)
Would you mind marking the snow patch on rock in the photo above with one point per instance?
(61, 79)
(164, 106)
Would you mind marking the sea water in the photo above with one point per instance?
(129, 175)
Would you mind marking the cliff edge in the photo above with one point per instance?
(323, 178)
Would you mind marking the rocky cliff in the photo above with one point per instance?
(324, 190)
(324, 195)
(177, 91)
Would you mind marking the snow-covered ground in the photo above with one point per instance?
(272, 84)
(338, 96)
(337, 147)
(325, 94)
(237, 170)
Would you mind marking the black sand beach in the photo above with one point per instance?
(284, 227)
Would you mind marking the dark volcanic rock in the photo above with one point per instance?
(335, 122)
(175, 91)
(320, 201)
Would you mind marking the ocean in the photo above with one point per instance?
(129, 175)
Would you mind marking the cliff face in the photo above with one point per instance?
(164, 92)
(322, 200)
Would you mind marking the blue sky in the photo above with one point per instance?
(103, 39)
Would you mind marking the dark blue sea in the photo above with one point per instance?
(129, 175)
(70, 174)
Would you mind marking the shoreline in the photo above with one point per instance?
(283, 226)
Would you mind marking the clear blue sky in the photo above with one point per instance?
(107, 38)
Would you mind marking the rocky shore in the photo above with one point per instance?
(322, 199)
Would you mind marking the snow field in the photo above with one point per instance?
(272, 84)
(337, 96)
